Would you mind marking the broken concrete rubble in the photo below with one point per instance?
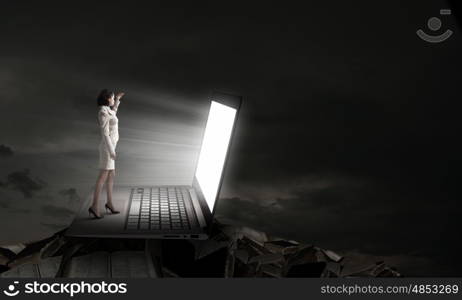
(231, 251)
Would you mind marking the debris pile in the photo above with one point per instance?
(231, 251)
(244, 252)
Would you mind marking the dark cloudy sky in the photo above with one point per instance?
(348, 136)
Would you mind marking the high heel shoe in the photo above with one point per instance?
(91, 211)
(112, 210)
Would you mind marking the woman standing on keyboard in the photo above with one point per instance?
(108, 124)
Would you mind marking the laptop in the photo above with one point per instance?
(172, 211)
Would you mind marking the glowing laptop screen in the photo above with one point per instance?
(212, 155)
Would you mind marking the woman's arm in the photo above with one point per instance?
(116, 105)
(103, 120)
(117, 101)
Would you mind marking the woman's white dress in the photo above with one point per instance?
(108, 124)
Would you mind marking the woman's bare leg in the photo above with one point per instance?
(109, 186)
(103, 174)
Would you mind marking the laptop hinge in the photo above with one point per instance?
(197, 208)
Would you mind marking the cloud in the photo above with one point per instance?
(8, 197)
(22, 181)
(56, 211)
(72, 195)
(20, 210)
(5, 151)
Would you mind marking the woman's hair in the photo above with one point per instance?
(103, 97)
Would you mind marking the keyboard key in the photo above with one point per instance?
(135, 208)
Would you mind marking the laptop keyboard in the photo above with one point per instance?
(158, 208)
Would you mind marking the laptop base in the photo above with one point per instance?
(113, 225)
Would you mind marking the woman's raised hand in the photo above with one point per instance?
(120, 95)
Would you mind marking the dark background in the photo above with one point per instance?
(348, 137)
